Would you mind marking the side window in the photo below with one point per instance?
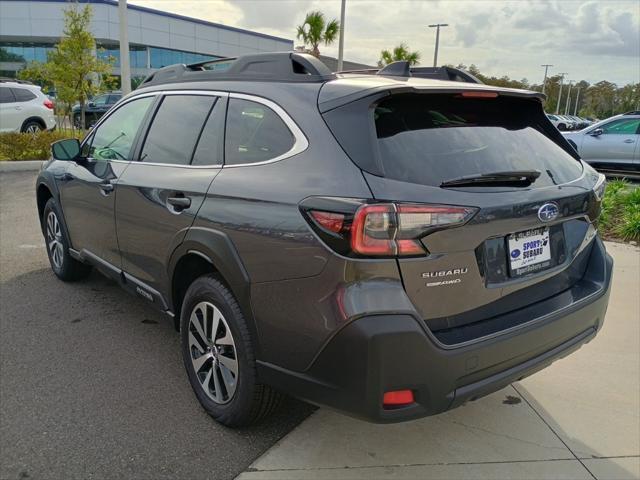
(175, 129)
(100, 100)
(23, 95)
(113, 99)
(113, 139)
(210, 149)
(254, 133)
(622, 127)
(6, 95)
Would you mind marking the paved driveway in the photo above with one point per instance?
(578, 419)
(91, 379)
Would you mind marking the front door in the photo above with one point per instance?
(88, 187)
(160, 194)
(616, 144)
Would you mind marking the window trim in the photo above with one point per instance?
(300, 143)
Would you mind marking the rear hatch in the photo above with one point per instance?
(530, 201)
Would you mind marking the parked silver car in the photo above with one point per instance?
(613, 142)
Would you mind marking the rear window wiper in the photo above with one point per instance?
(517, 178)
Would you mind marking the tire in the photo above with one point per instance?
(32, 126)
(63, 265)
(210, 358)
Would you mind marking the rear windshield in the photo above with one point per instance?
(432, 138)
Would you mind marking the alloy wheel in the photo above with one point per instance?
(54, 240)
(32, 128)
(213, 352)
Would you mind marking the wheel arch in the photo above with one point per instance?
(206, 251)
(35, 119)
(43, 194)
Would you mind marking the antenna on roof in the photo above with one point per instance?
(396, 69)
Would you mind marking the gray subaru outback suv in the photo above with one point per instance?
(382, 244)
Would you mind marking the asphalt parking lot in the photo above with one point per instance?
(91, 379)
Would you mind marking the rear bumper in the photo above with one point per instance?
(375, 354)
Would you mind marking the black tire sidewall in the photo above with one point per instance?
(52, 206)
(25, 127)
(237, 411)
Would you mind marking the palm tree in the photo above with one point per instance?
(401, 52)
(315, 30)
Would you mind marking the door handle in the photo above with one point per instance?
(629, 140)
(106, 188)
(179, 202)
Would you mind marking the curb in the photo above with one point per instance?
(21, 166)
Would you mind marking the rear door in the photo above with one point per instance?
(10, 115)
(523, 233)
(615, 145)
(160, 194)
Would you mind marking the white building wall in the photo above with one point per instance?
(36, 20)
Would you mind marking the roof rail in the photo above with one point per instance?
(398, 69)
(15, 80)
(266, 67)
(633, 112)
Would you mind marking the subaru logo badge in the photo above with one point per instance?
(548, 212)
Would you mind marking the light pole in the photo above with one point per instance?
(575, 108)
(546, 69)
(437, 27)
(566, 107)
(125, 70)
(341, 41)
(560, 93)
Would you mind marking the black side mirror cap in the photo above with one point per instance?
(66, 150)
(596, 133)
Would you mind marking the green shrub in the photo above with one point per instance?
(28, 146)
(620, 217)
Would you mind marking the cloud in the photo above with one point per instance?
(539, 16)
(594, 39)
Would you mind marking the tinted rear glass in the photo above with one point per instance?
(429, 139)
(23, 95)
(255, 133)
(175, 129)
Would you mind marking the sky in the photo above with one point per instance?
(591, 40)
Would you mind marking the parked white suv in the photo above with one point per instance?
(24, 108)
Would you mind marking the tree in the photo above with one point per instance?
(73, 65)
(401, 52)
(315, 31)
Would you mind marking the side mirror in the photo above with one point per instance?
(596, 133)
(91, 104)
(66, 150)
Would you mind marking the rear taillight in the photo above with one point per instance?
(386, 229)
(48, 103)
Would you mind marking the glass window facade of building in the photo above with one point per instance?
(24, 52)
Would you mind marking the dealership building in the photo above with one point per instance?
(30, 28)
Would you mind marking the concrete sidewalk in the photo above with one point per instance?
(579, 418)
